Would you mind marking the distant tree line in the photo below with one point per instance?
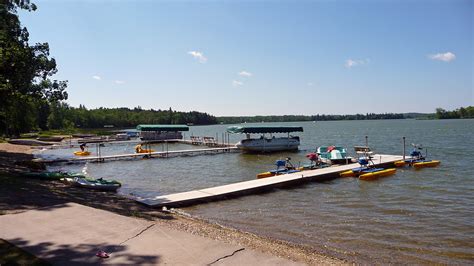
(295, 118)
(463, 112)
(63, 116)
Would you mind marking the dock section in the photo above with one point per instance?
(158, 154)
(257, 185)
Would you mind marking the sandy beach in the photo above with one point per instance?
(19, 194)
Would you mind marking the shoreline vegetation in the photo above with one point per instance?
(65, 120)
(19, 194)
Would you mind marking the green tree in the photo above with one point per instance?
(25, 72)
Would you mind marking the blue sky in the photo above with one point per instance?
(261, 57)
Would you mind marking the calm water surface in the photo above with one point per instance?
(424, 216)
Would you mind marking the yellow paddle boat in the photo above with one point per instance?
(145, 151)
(377, 174)
(82, 153)
(423, 164)
(400, 163)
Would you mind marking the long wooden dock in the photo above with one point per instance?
(257, 185)
(158, 154)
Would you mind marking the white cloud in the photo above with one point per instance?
(310, 84)
(356, 62)
(96, 77)
(244, 73)
(199, 56)
(237, 83)
(119, 82)
(446, 57)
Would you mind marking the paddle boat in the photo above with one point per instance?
(366, 172)
(267, 143)
(283, 167)
(417, 160)
(96, 184)
(315, 162)
(333, 155)
(82, 153)
(139, 149)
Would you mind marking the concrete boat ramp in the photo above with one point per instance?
(258, 185)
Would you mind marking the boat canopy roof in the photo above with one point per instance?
(163, 128)
(263, 129)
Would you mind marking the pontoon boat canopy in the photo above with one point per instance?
(261, 129)
(163, 128)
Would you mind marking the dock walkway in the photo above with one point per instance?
(157, 154)
(247, 187)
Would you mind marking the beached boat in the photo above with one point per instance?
(161, 132)
(264, 143)
(51, 175)
(52, 138)
(96, 184)
(333, 155)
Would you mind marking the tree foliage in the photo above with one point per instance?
(64, 116)
(25, 73)
(295, 118)
(462, 112)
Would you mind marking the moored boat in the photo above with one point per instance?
(283, 167)
(82, 153)
(417, 160)
(421, 164)
(333, 155)
(366, 172)
(161, 132)
(376, 174)
(264, 143)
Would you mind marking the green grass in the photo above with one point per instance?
(13, 255)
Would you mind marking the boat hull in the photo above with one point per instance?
(424, 164)
(269, 145)
(82, 153)
(377, 174)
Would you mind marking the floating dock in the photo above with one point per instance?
(258, 185)
(158, 154)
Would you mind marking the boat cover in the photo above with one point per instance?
(173, 128)
(263, 129)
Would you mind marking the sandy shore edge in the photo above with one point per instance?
(15, 160)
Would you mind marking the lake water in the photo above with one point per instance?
(415, 216)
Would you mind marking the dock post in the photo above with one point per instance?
(404, 149)
(366, 141)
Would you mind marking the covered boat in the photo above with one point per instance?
(161, 132)
(267, 142)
